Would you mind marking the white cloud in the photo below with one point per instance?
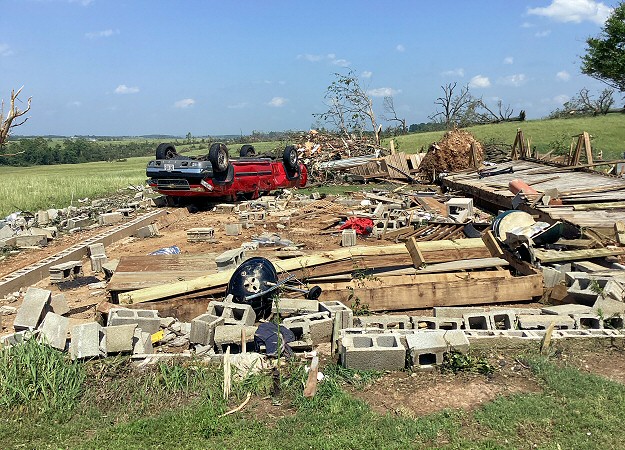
(563, 75)
(400, 48)
(5, 50)
(277, 102)
(515, 80)
(383, 92)
(575, 11)
(508, 60)
(123, 89)
(527, 25)
(479, 81)
(542, 34)
(184, 103)
(330, 57)
(101, 34)
(366, 74)
(341, 62)
(75, 104)
(453, 73)
(561, 99)
(240, 105)
(310, 58)
(81, 2)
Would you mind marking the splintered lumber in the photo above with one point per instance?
(428, 252)
(619, 230)
(492, 244)
(426, 291)
(552, 256)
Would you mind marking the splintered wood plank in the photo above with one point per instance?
(619, 230)
(492, 244)
(551, 256)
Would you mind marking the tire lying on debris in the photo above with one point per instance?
(218, 157)
(247, 150)
(290, 157)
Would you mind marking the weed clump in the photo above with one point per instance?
(456, 362)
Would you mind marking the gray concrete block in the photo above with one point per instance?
(294, 306)
(87, 340)
(587, 321)
(477, 321)
(54, 330)
(348, 238)
(31, 312)
(503, 319)
(477, 335)
(232, 313)
(110, 218)
(230, 335)
(58, 304)
(147, 231)
(316, 326)
(142, 343)
(119, 338)
(230, 259)
(567, 309)
(530, 322)
(380, 352)
(201, 235)
(614, 289)
(203, 329)
(436, 323)
(552, 277)
(146, 319)
(65, 271)
(233, 229)
(31, 240)
(332, 307)
(97, 262)
(608, 307)
(78, 222)
(427, 349)
(15, 338)
(384, 321)
(585, 288)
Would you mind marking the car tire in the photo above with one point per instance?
(290, 157)
(218, 157)
(247, 150)
(166, 151)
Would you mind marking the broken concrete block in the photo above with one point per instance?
(333, 307)
(384, 321)
(231, 335)
(542, 322)
(54, 330)
(294, 306)
(587, 321)
(567, 309)
(65, 271)
(58, 304)
(31, 312)
(310, 329)
(348, 238)
(97, 262)
(232, 313)
(119, 338)
(142, 343)
(608, 307)
(78, 222)
(427, 349)
(372, 352)
(42, 218)
(147, 231)
(15, 338)
(31, 240)
(86, 341)
(460, 209)
(614, 289)
(203, 329)
(230, 259)
(110, 218)
(146, 319)
(436, 323)
(201, 235)
(233, 229)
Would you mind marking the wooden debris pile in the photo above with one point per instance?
(458, 150)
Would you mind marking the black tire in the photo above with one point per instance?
(166, 151)
(247, 150)
(290, 157)
(218, 157)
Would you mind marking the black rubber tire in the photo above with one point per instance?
(247, 150)
(290, 157)
(218, 157)
(166, 151)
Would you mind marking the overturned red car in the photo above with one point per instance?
(216, 175)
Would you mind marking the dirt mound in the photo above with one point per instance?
(451, 154)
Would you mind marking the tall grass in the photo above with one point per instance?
(34, 376)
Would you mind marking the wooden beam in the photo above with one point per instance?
(619, 230)
(491, 244)
(552, 256)
(415, 253)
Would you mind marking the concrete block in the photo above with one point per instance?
(476, 335)
(232, 313)
(78, 222)
(54, 330)
(201, 235)
(585, 288)
(614, 289)
(373, 352)
(294, 306)
(230, 259)
(147, 231)
(436, 323)
(477, 321)
(567, 309)
(87, 340)
(427, 349)
(203, 329)
(65, 271)
(608, 307)
(587, 321)
(231, 335)
(333, 307)
(552, 277)
(146, 319)
(460, 209)
(385, 321)
(142, 343)
(97, 262)
(97, 250)
(233, 229)
(110, 218)
(503, 319)
(317, 326)
(15, 338)
(348, 238)
(459, 311)
(42, 218)
(119, 338)
(31, 312)
(31, 240)
(530, 322)
(58, 304)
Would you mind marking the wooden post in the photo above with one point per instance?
(415, 254)
(583, 141)
(392, 144)
(519, 141)
(619, 230)
(474, 159)
(311, 384)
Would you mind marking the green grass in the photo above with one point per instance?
(180, 404)
(608, 134)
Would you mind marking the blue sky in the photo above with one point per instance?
(133, 67)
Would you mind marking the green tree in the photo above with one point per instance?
(605, 54)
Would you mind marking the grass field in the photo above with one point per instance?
(608, 134)
(111, 405)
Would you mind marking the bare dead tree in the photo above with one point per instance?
(600, 106)
(503, 113)
(9, 121)
(391, 115)
(454, 106)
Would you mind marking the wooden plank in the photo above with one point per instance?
(551, 256)
(619, 230)
(491, 244)
(427, 291)
(415, 253)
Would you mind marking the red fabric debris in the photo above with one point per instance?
(362, 225)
